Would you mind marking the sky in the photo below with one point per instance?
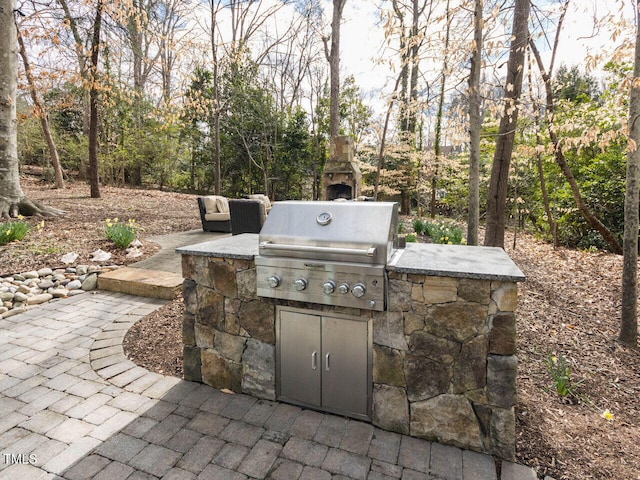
(362, 40)
(362, 37)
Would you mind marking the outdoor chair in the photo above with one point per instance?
(263, 198)
(214, 213)
(247, 215)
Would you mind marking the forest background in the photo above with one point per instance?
(188, 87)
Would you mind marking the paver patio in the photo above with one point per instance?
(74, 407)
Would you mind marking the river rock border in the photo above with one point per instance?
(21, 290)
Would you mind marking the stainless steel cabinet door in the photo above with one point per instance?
(300, 357)
(344, 365)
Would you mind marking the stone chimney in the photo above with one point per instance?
(341, 177)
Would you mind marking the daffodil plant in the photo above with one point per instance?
(121, 233)
(13, 231)
(442, 232)
(560, 372)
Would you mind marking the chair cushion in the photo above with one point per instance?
(210, 204)
(217, 217)
(216, 204)
(263, 211)
(263, 198)
(223, 204)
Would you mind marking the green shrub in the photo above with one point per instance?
(446, 233)
(120, 233)
(410, 238)
(11, 231)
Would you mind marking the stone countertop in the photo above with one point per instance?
(485, 263)
(243, 247)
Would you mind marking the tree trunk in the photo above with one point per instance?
(437, 143)
(553, 229)
(94, 175)
(564, 166)
(334, 67)
(216, 105)
(415, 70)
(629, 322)
(12, 199)
(10, 191)
(403, 115)
(497, 194)
(475, 126)
(42, 113)
(383, 140)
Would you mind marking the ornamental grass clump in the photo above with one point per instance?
(120, 233)
(13, 231)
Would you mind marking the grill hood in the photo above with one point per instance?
(359, 232)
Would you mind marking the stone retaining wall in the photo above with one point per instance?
(444, 365)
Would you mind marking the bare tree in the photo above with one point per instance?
(290, 64)
(553, 229)
(437, 144)
(629, 321)
(497, 194)
(12, 199)
(593, 221)
(475, 125)
(383, 138)
(140, 38)
(215, 57)
(71, 21)
(171, 19)
(86, 49)
(94, 175)
(411, 40)
(10, 192)
(41, 112)
(411, 37)
(333, 57)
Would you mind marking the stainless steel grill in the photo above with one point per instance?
(331, 253)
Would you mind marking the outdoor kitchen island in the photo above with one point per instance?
(439, 361)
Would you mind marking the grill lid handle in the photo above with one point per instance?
(362, 252)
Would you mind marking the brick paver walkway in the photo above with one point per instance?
(73, 407)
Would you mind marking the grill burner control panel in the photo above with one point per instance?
(313, 281)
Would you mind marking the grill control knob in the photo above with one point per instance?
(358, 290)
(343, 288)
(273, 281)
(300, 284)
(329, 287)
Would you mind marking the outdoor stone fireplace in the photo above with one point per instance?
(341, 178)
(444, 353)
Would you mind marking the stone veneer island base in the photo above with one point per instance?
(444, 353)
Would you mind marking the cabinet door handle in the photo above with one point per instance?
(314, 360)
(327, 361)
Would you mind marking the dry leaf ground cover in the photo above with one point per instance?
(569, 306)
(81, 230)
